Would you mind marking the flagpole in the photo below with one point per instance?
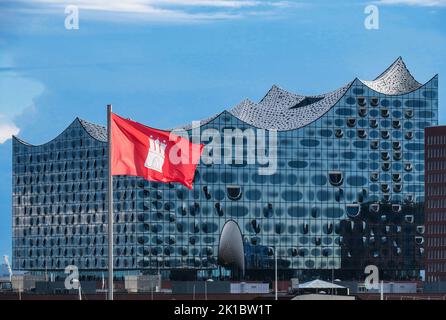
(110, 207)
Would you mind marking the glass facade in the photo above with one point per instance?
(348, 192)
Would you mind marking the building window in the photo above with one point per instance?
(336, 178)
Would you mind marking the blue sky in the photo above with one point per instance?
(168, 62)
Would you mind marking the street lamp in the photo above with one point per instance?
(77, 283)
(206, 288)
(275, 273)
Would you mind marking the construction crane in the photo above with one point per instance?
(6, 258)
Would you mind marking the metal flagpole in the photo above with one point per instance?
(110, 207)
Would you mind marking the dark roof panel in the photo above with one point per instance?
(96, 131)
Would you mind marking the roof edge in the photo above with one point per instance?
(364, 82)
(77, 119)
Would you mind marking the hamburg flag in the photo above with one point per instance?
(155, 155)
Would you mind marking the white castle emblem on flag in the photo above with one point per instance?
(155, 157)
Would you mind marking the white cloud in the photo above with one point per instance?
(421, 3)
(167, 10)
(7, 129)
(18, 94)
(135, 5)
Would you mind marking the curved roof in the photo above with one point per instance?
(96, 131)
(396, 79)
(202, 122)
(282, 110)
(319, 284)
(17, 139)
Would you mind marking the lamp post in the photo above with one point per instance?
(206, 287)
(79, 290)
(275, 272)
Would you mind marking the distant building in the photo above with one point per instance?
(435, 204)
(348, 192)
(4, 271)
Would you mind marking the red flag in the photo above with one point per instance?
(152, 154)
